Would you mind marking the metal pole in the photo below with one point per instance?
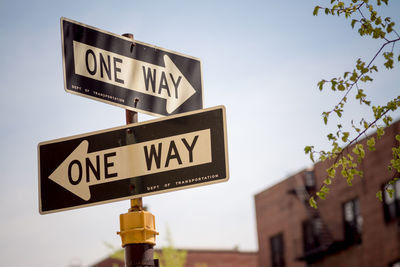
(141, 254)
(132, 117)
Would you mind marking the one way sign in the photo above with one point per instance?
(146, 158)
(133, 75)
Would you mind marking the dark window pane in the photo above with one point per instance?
(391, 205)
(311, 232)
(352, 221)
(277, 251)
(309, 180)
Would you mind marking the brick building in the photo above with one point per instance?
(203, 258)
(221, 258)
(350, 228)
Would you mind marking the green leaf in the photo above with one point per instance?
(375, 68)
(308, 149)
(331, 137)
(338, 112)
(320, 85)
(389, 64)
(389, 60)
(373, 15)
(345, 136)
(321, 195)
(371, 144)
(324, 189)
(353, 22)
(354, 76)
(390, 191)
(380, 132)
(350, 157)
(344, 173)
(331, 173)
(389, 27)
(360, 95)
(315, 12)
(359, 151)
(379, 195)
(333, 83)
(387, 120)
(312, 202)
(362, 153)
(366, 78)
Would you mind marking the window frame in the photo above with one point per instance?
(391, 208)
(312, 229)
(352, 227)
(309, 180)
(277, 251)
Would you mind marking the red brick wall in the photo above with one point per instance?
(222, 258)
(110, 263)
(277, 211)
(380, 240)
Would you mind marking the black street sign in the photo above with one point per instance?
(132, 75)
(141, 159)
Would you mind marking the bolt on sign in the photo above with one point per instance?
(146, 158)
(129, 74)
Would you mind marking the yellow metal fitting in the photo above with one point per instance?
(137, 227)
(136, 204)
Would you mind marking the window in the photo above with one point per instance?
(311, 232)
(392, 204)
(309, 180)
(352, 222)
(277, 249)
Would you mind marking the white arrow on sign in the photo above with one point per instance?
(166, 82)
(81, 169)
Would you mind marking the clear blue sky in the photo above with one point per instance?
(261, 59)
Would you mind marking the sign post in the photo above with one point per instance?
(139, 159)
(138, 252)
